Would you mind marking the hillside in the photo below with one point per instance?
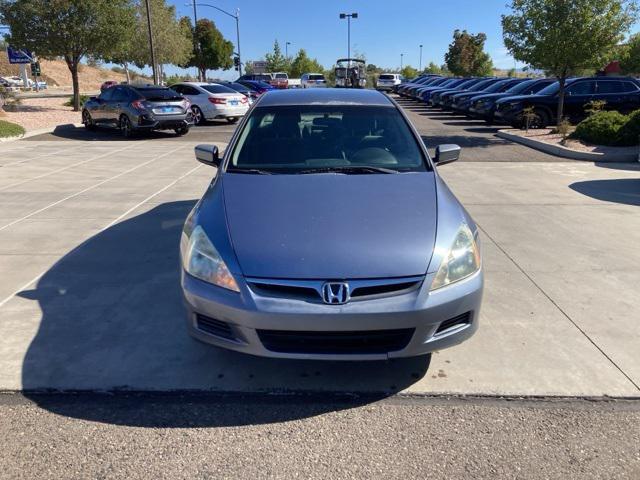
(56, 74)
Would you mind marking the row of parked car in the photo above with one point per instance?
(135, 108)
(516, 101)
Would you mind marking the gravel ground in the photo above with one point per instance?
(236, 437)
(37, 113)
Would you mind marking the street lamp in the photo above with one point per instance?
(286, 49)
(237, 19)
(401, 55)
(153, 53)
(349, 16)
(420, 68)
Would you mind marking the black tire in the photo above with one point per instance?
(539, 120)
(125, 126)
(182, 131)
(198, 116)
(232, 119)
(88, 122)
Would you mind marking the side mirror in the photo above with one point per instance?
(208, 154)
(447, 153)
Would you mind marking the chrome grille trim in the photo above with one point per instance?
(311, 290)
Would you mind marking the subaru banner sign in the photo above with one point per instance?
(19, 56)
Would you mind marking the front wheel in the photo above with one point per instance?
(232, 119)
(182, 131)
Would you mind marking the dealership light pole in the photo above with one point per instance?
(349, 16)
(401, 57)
(286, 49)
(153, 53)
(420, 68)
(237, 19)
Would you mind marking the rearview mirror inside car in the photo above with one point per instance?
(447, 153)
(208, 154)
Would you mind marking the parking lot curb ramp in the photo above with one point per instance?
(560, 151)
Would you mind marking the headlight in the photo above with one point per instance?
(462, 260)
(203, 261)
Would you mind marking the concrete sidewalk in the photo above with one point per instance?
(89, 294)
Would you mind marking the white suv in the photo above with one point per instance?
(386, 81)
(313, 80)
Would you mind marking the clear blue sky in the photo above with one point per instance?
(384, 29)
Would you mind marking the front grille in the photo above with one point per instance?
(214, 327)
(464, 319)
(311, 290)
(345, 343)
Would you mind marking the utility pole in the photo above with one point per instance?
(196, 45)
(153, 53)
(401, 58)
(420, 68)
(286, 49)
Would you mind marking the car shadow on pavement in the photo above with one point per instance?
(622, 190)
(631, 167)
(73, 132)
(112, 320)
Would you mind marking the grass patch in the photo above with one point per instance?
(8, 129)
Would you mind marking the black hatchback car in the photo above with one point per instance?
(138, 108)
(619, 93)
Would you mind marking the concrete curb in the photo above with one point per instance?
(560, 151)
(39, 131)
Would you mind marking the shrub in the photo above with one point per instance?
(601, 128)
(629, 134)
(69, 103)
(8, 129)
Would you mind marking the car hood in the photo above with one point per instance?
(519, 98)
(331, 226)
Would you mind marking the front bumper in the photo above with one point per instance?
(246, 315)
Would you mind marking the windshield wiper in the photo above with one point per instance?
(254, 171)
(348, 170)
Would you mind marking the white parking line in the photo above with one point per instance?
(71, 166)
(40, 156)
(109, 225)
(91, 187)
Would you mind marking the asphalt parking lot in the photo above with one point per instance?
(90, 302)
(90, 299)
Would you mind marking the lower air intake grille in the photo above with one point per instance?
(365, 342)
(214, 327)
(464, 319)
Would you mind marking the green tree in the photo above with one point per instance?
(433, 68)
(71, 29)
(466, 56)
(409, 72)
(213, 51)
(630, 56)
(303, 64)
(276, 61)
(565, 37)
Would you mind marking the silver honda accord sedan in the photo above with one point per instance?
(327, 233)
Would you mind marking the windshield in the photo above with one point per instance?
(387, 77)
(316, 77)
(521, 87)
(281, 75)
(239, 87)
(497, 87)
(315, 139)
(551, 89)
(218, 89)
(481, 86)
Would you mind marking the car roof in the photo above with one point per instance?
(325, 96)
